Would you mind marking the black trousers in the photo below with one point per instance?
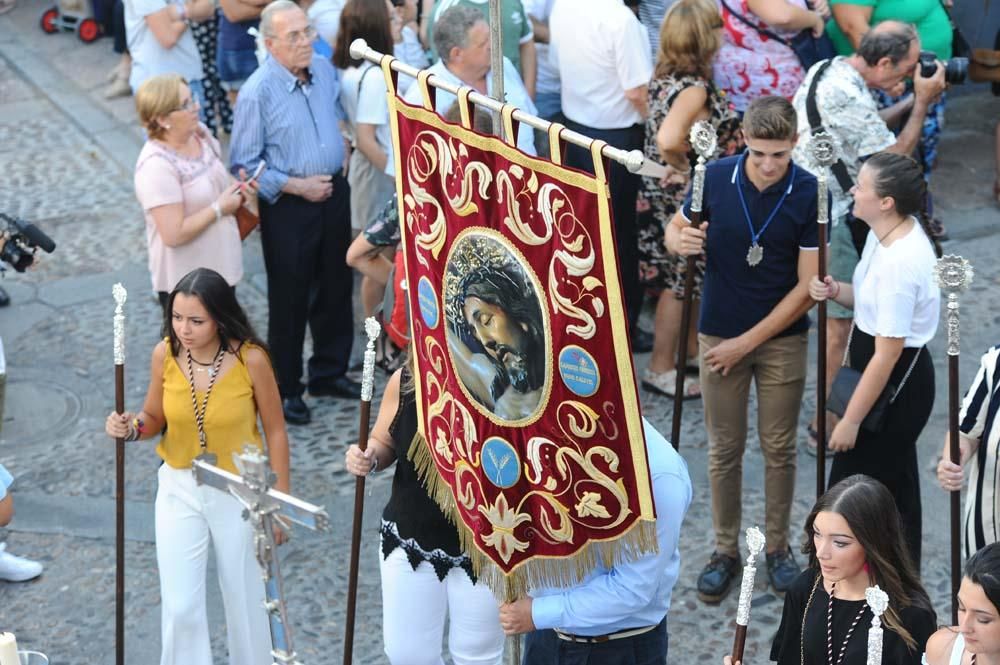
(890, 456)
(308, 281)
(624, 187)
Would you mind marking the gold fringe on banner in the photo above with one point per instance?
(538, 572)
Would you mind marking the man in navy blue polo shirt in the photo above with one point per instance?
(760, 244)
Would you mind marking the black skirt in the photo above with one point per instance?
(890, 456)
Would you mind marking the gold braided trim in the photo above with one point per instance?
(537, 572)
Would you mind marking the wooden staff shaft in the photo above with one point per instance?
(120, 523)
(821, 369)
(359, 507)
(682, 341)
(739, 642)
(956, 516)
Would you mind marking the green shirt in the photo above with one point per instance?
(928, 16)
(516, 26)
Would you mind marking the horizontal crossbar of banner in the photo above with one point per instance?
(633, 160)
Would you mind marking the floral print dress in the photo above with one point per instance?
(658, 269)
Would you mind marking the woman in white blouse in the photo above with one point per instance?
(896, 305)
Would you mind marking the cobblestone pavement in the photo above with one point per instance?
(65, 164)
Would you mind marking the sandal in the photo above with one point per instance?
(388, 356)
(813, 441)
(663, 383)
(692, 368)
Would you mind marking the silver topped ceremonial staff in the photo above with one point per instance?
(704, 141)
(755, 545)
(119, 294)
(878, 602)
(372, 330)
(954, 275)
(823, 153)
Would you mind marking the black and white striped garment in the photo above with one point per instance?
(978, 420)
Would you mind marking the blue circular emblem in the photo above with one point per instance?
(500, 462)
(427, 300)
(579, 371)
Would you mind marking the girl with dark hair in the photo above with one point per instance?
(210, 379)
(853, 539)
(426, 577)
(362, 94)
(896, 306)
(976, 638)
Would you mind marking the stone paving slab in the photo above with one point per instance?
(75, 181)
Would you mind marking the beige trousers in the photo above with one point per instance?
(778, 369)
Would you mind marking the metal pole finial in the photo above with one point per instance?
(372, 330)
(953, 275)
(120, 294)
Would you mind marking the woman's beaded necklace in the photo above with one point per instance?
(199, 414)
(829, 629)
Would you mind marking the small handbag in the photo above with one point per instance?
(846, 382)
(246, 221)
(807, 48)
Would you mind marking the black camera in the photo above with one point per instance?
(955, 69)
(22, 240)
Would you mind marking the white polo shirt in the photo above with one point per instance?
(600, 50)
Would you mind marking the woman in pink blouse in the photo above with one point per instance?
(188, 198)
(750, 64)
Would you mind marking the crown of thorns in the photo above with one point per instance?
(478, 260)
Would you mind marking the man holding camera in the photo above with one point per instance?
(886, 56)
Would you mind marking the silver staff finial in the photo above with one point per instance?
(120, 294)
(704, 140)
(822, 149)
(878, 601)
(953, 275)
(372, 330)
(755, 545)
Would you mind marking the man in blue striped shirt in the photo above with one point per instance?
(287, 116)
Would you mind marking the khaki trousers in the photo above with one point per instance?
(778, 369)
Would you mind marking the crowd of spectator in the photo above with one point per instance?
(257, 109)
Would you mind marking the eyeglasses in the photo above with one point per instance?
(299, 36)
(190, 105)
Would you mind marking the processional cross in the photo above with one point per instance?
(265, 508)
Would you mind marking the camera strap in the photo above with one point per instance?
(839, 168)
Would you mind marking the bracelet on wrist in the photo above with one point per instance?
(374, 468)
(217, 209)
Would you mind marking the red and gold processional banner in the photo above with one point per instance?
(530, 435)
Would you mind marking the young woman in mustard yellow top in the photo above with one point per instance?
(210, 379)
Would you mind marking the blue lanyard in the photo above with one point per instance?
(754, 237)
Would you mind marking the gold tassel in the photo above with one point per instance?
(561, 572)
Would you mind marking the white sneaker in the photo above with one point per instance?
(16, 569)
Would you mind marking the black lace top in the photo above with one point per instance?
(412, 520)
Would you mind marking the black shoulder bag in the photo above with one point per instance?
(809, 49)
(846, 382)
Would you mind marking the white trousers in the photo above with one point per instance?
(415, 604)
(187, 517)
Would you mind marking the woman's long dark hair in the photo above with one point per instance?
(870, 512)
(367, 19)
(219, 299)
(983, 568)
(902, 178)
